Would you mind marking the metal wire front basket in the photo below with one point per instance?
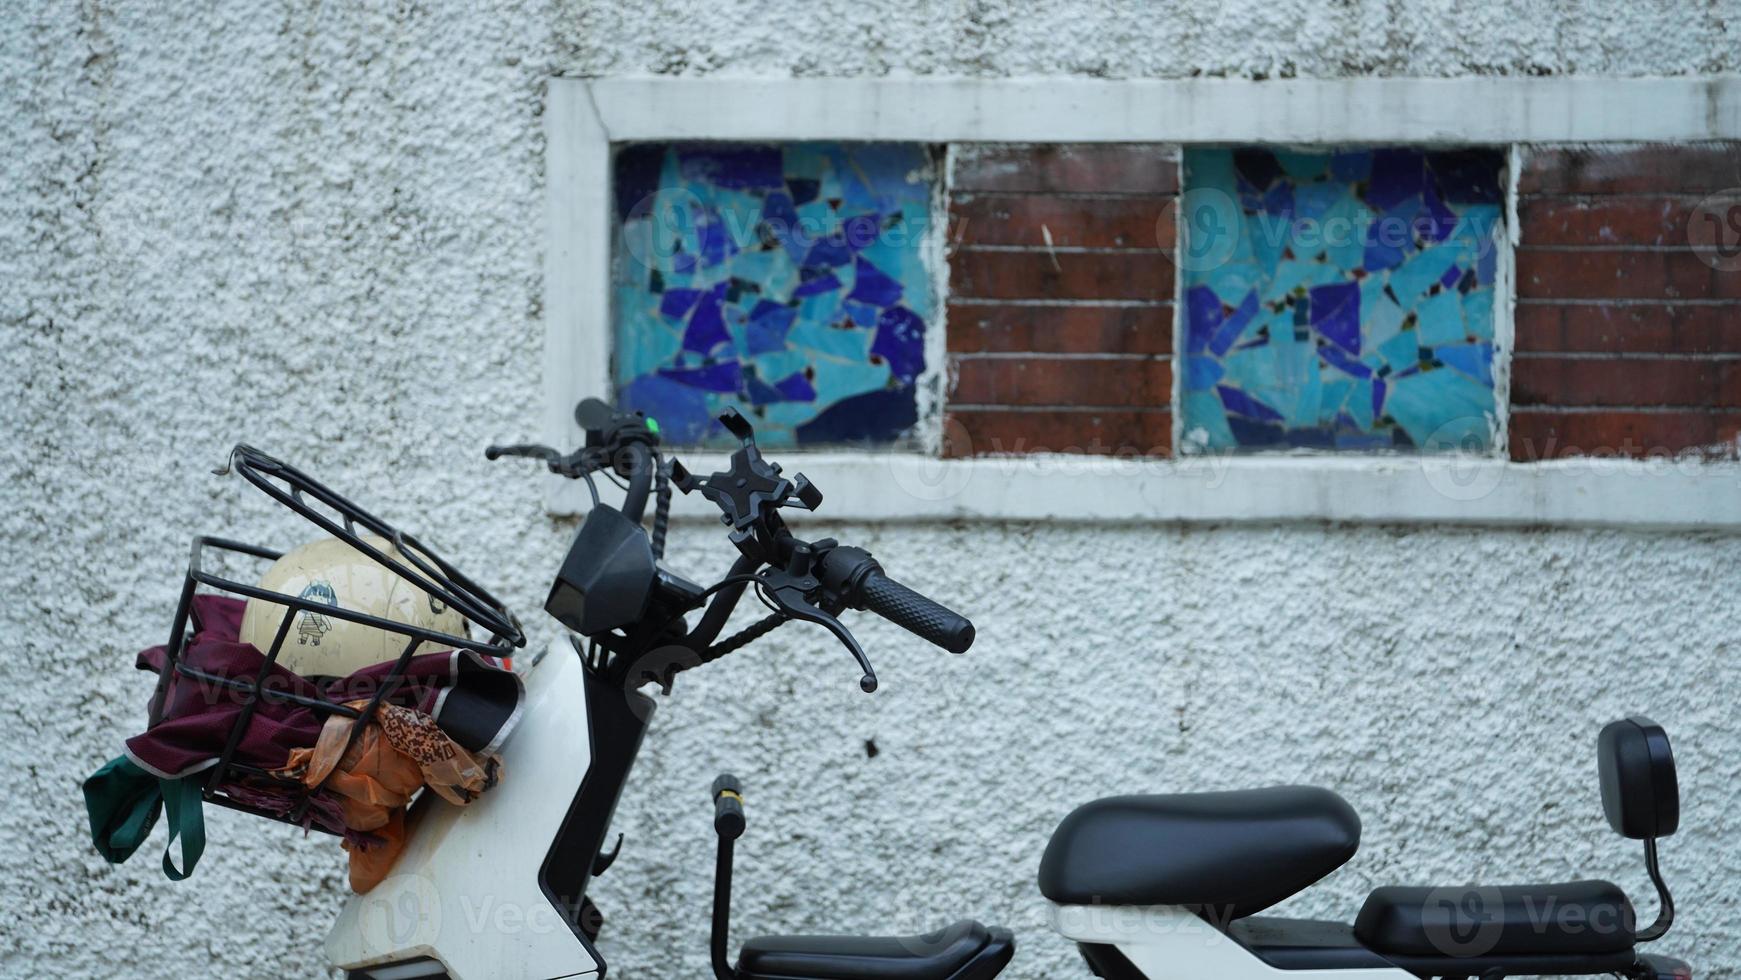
(342, 519)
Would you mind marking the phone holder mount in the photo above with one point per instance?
(749, 496)
(751, 493)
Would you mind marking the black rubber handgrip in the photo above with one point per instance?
(728, 807)
(914, 613)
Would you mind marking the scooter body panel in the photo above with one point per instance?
(466, 892)
(1166, 942)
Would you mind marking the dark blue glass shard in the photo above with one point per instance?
(676, 303)
(1313, 438)
(1378, 387)
(861, 230)
(706, 327)
(768, 325)
(1259, 168)
(1468, 176)
(816, 282)
(900, 340)
(780, 223)
(1239, 403)
(796, 387)
(735, 166)
(715, 244)
(637, 176)
(723, 376)
(760, 392)
(871, 286)
(1234, 325)
(1333, 356)
(1397, 175)
(803, 191)
(1279, 201)
(829, 252)
(1202, 317)
(1380, 254)
(874, 417)
(1436, 221)
(682, 263)
(1352, 166)
(1248, 433)
(1336, 314)
(861, 314)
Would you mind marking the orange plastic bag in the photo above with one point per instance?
(399, 752)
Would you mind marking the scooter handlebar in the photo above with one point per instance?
(914, 613)
(858, 581)
(728, 807)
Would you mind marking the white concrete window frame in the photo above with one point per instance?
(584, 117)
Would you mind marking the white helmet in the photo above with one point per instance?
(332, 572)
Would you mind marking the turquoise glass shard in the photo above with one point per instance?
(1340, 299)
(785, 280)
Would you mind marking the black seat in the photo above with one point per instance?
(1226, 855)
(1577, 917)
(963, 951)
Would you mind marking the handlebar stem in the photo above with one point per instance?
(641, 464)
(720, 609)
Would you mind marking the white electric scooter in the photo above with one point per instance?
(1150, 887)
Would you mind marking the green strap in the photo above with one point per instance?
(124, 802)
(185, 808)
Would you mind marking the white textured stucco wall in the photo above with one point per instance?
(318, 228)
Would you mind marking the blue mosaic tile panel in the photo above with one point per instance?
(1339, 300)
(785, 280)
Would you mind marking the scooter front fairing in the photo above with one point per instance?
(496, 889)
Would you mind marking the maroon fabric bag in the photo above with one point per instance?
(472, 697)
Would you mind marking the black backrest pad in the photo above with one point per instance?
(1639, 792)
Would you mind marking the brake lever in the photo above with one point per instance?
(792, 592)
(528, 450)
(574, 465)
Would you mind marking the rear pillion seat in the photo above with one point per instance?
(1225, 855)
(1578, 917)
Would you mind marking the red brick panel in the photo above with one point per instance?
(1058, 253)
(981, 432)
(1622, 274)
(1645, 220)
(1628, 341)
(1665, 328)
(1060, 329)
(1612, 381)
(1110, 168)
(1655, 169)
(1039, 381)
(1039, 220)
(1040, 274)
(1538, 434)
